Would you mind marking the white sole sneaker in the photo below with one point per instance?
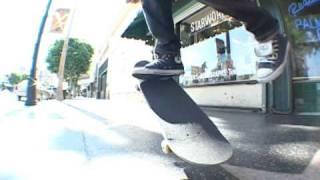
(275, 74)
(159, 72)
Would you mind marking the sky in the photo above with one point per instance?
(20, 22)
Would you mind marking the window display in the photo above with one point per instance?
(216, 49)
(302, 18)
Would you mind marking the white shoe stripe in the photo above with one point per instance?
(157, 71)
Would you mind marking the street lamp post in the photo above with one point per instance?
(32, 89)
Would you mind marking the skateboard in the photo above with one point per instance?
(187, 130)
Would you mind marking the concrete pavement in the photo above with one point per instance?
(98, 139)
(265, 146)
(55, 141)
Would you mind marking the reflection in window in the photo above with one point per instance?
(302, 19)
(216, 48)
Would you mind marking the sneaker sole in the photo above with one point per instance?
(279, 70)
(157, 72)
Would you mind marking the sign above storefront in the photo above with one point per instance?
(305, 20)
(204, 24)
(297, 7)
(207, 19)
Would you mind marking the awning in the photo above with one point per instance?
(138, 29)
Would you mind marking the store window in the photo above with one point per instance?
(302, 18)
(216, 49)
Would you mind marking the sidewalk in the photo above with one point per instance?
(265, 146)
(91, 139)
(55, 141)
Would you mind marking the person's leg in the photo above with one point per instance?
(257, 20)
(158, 15)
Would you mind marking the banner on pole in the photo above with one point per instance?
(59, 20)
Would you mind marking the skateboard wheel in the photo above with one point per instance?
(138, 87)
(165, 147)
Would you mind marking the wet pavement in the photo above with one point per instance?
(92, 139)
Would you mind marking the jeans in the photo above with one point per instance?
(158, 15)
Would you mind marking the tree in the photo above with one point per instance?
(77, 61)
(15, 78)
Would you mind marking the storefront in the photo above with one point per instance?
(302, 24)
(217, 49)
(102, 81)
(219, 59)
(220, 63)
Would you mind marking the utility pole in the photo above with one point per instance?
(32, 88)
(60, 95)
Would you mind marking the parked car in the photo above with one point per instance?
(21, 91)
(52, 92)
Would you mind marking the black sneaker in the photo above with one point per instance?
(163, 65)
(274, 57)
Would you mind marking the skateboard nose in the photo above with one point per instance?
(203, 153)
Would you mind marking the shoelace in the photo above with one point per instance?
(164, 56)
(159, 62)
(275, 51)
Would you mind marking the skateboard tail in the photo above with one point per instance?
(203, 155)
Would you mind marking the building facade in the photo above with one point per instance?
(220, 63)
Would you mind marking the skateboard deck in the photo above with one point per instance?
(187, 130)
